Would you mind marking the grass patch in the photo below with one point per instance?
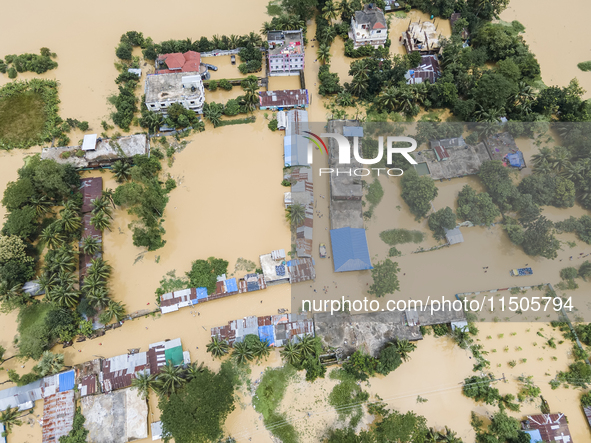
(273, 8)
(268, 399)
(238, 121)
(346, 397)
(394, 237)
(21, 117)
(28, 113)
(375, 192)
(400, 14)
(585, 66)
(33, 335)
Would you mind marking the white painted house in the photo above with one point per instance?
(368, 27)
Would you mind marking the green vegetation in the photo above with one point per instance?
(29, 114)
(581, 227)
(418, 192)
(385, 278)
(125, 103)
(480, 389)
(578, 374)
(502, 429)
(10, 418)
(585, 66)
(268, 398)
(146, 198)
(477, 208)
(305, 355)
(528, 391)
(362, 366)
(347, 397)
(394, 237)
(78, 433)
(374, 195)
(440, 221)
(29, 62)
(243, 352)
(204, 273)
(197, 410)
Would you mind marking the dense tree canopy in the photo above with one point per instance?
(418, 192)
(203, 273)
(477, 208)
(385, 279)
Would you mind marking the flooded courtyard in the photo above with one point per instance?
(229, 204)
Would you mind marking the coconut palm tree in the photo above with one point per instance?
(573, 172)
(324, 53)
(306, 346)
(64, 296)
(449, 436)
(121, 170)
(100, 221)
(344, 99)
(295, 214)
(545, 155)
(389, 99)
(49, 364)
(47, 281)
(241, 353)
(218, 347)
(100, 268)
(64, 260)
(116, 309)
(90, 245)
(66, 279)
(70, 220)
(170, 380)
(143, 382)
(108, 194)
(330, 11)
(213, 114)
(233, 42)
(52, 236)
(193, 370)
(560, 160)
(404, 348)
(9, 418)
(100, 204)
(97, 297)
(543, 168)
(254, 39)
(42, 205)
(359, 85)
(261, 349)
(199, 126)
(347, 10)
(359, 69)
(290, 353)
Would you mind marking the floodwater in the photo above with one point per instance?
(558, 38)
(228, 204)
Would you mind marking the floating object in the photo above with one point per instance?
(521, 271)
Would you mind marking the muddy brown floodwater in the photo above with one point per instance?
(228, 204)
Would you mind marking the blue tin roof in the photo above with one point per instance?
(231, 285)
(349, 250)
(66, 381)
(534, 435)
(267, 333)
(201, 293)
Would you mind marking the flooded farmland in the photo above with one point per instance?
(229, 204)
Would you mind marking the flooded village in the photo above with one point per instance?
(247, 193)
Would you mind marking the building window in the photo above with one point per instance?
(162, 105)
(153, 105)
(192, 103)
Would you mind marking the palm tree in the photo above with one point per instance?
(404, 348)
(449, 436)
(254, 39)
(213, 114)
(330, 11)
(72, 205)
(52, 236)
(42, 205)
(573, 172)
(100, 268)
(100, 221)
(543, 168)
(346, 10)
(344, 99)
(10, 418)
(116, 309)
(241, 353)
(194, 370)
(295, 214)
(545, 155)
(100, 204)
(290, 353)
(217, 347)
(108, 194)
(70, 220)
(560, 161)
(261, 349)
(64, 260)
(152, 120)
(328, 35)
(64, 296)
(143, 382)
(389, 98)
(306, 346)
(47, 281)
(359, 69)
(233, 42)
(170, 379)
(324, 53)
(49, 364)
(97, 297)
(90, 245)
(199, 126)
(358, 86)
(121, 170)
(66, 279)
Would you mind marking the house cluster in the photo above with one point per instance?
(284, 99)
(276, 330)
(422, 37)
(452, 157)
(98, 152)
(286, 52)
(93, 382)
(368, 27)
(275, 270)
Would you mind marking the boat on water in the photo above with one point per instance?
(322, 250)
(521, 271)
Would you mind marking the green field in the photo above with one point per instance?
(22, 117)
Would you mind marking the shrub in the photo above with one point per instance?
(12, 72)
(212, 85)
(225, 84)
(273, 125)
(394, 237)
(124, 51)
(585, 66)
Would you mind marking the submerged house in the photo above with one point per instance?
(286, 99)
(349, 250)
(428, 71)
(421, 37)
(186, 88)
(368, 27)
(176, 62)
(547, 428)
(286, 52)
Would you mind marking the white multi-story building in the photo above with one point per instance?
(368, 27)
(186, 88)
(286, 52)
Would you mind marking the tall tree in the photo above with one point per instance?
(385, 279)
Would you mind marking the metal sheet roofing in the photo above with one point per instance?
(353, 131)
(231, 285)
(267, 333)
(66, 381)
(349, 250)
(58, 416)
(89, 142)
(454, 236)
